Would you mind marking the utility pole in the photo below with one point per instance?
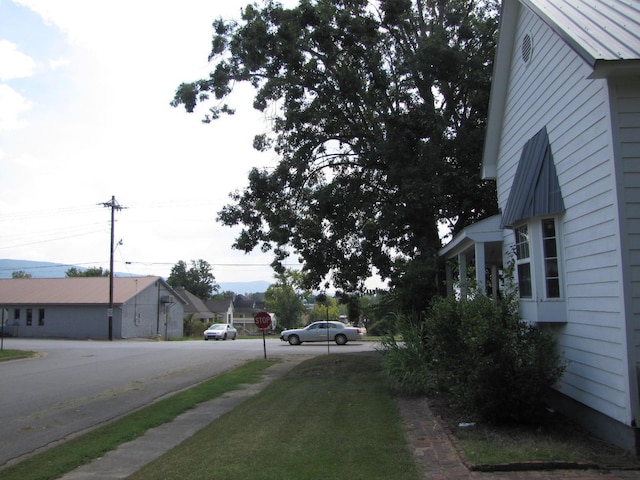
(113, 205)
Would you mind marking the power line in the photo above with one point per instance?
(46, 213)
(52, 239)
(48, 266)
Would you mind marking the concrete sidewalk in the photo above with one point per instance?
(132, 456)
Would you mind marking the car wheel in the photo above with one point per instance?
(225, 337)
(294, 340)
(341, 339)
(206, 338)
(235, 336)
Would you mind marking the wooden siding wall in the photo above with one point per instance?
(145, 303)
(626, 110)
(553, 91)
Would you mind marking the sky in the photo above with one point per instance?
(85, 87)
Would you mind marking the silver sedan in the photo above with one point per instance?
(323, 332)
(220, 331)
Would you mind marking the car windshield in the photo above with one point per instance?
(217, 327)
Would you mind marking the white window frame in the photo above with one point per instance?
(540, 307)
(524, 260)
(548, 259)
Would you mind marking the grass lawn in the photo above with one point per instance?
(331, 417)
(15, 354)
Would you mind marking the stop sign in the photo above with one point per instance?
(262, 320)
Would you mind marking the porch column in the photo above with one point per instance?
(449, 278)
(462, 267)
(494, 281)
(481, 281)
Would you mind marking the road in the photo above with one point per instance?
(72, 385)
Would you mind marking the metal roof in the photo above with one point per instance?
(71, 291)
(605, 33)
(535, 190)
(596, 29)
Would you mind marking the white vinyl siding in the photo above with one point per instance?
(553, 91)
(625, 106)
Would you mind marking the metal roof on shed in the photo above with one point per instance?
(70, 291)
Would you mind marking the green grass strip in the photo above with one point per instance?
(57, 461)
(15, 354)
(331, 417)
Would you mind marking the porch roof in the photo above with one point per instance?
(485, 231)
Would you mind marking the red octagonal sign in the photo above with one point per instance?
(262, 320)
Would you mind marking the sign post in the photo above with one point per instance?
(263, 321)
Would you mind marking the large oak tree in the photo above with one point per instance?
(378, 110)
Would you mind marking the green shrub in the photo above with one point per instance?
(507, 364)
(406, 362)
(193, 326)
(443, 342)
(496, 366)
(387, 325)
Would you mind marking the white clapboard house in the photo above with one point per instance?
(563, 145)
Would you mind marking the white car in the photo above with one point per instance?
(220, 331)
(322, 332)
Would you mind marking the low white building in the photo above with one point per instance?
(78, 307)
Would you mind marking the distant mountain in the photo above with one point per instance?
(241, 288)
(35, 269)
(57, 270)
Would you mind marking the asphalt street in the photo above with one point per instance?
(72, 386)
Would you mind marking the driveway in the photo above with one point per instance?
(72, 386)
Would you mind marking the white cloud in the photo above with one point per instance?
(14, 63)
(103, 126)
(56, 63)
(12, 105)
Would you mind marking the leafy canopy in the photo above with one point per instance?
(88, 272)
(20, 274)
(324, 308)
(196, 279)
(377, 113)
(283, 299)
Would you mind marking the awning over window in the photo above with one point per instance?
(535, 190)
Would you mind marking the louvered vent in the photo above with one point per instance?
(527, 48)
